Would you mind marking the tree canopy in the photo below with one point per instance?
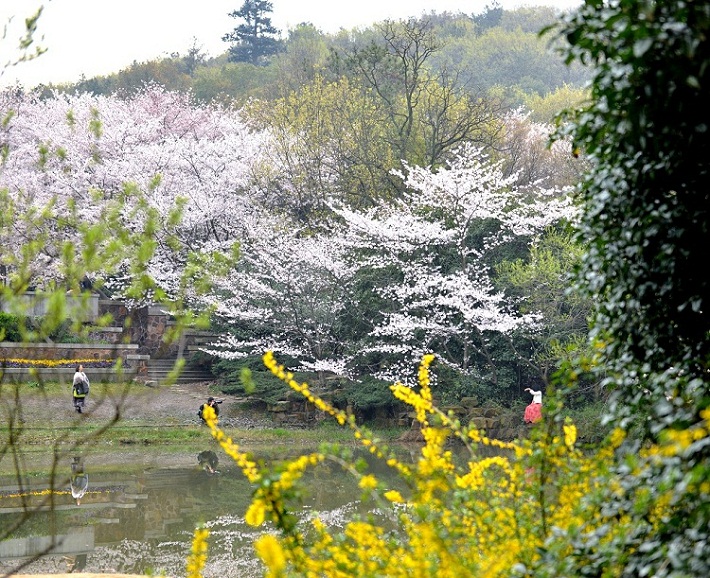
(464, 53)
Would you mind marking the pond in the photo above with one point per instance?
(140, 509)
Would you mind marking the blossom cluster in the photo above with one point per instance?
(156, 151)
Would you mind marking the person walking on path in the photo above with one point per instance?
(533, 412)
(80, 388)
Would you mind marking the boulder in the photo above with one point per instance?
(279, 407)
(469, 402)
(479, 421)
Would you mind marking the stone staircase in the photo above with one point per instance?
(158, 369)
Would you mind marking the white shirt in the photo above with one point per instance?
(537, 396)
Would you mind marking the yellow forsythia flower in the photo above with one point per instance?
(256, 513)
(617, 436)
(198, 553)
(368, 482)
(270, 551)
(394, 496)
(570, 435)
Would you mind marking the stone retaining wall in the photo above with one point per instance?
(64, 374)
(35, 304)
(145, 326)
(53, 351)
(132, 363)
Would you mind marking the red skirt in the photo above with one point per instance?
(533, 413)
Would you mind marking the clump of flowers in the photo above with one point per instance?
(198, 553)
(522, 512)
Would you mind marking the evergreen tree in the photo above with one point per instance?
(490, 17)
(256, 38)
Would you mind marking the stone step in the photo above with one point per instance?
(182, 378)
(203, 339)
(161, 362)
(162, 380)
(158, 370)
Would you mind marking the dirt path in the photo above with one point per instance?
(81, 575)
(174, 404)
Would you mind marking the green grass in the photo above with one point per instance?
(143, 433)
(60, 389)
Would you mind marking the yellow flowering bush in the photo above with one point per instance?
(536, 508)
(18, 362)
(45, 492)
(198, 553)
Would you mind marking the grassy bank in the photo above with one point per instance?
(40, 415)
(166, 416)
(134, 434)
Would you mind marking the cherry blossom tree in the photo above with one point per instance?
(528, 153)
(289, 293)
(157, 151)
(427, 262)
(440, 239)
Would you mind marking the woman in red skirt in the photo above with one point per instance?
(533, 412)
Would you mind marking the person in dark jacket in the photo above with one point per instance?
(80, 388)
(211, 402)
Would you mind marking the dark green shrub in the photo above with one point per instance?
(202, 360)
(646, 226)
(265, 386)
(365, 395)
(64, 332)
(10, 327)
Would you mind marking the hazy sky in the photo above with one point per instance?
(98, 37)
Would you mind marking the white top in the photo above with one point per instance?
(537, 396)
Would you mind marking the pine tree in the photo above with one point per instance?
(256, 38)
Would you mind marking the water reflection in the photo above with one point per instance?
(137, 519)
(79, 481)
(75, 563)
(209, 461)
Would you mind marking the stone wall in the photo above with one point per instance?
(145, 327)
(493, 422)
(33, 304)
(117, 309)
(132, 363)
(54, 351)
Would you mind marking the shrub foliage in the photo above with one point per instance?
(535, 508)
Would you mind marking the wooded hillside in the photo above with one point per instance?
(495, 52)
